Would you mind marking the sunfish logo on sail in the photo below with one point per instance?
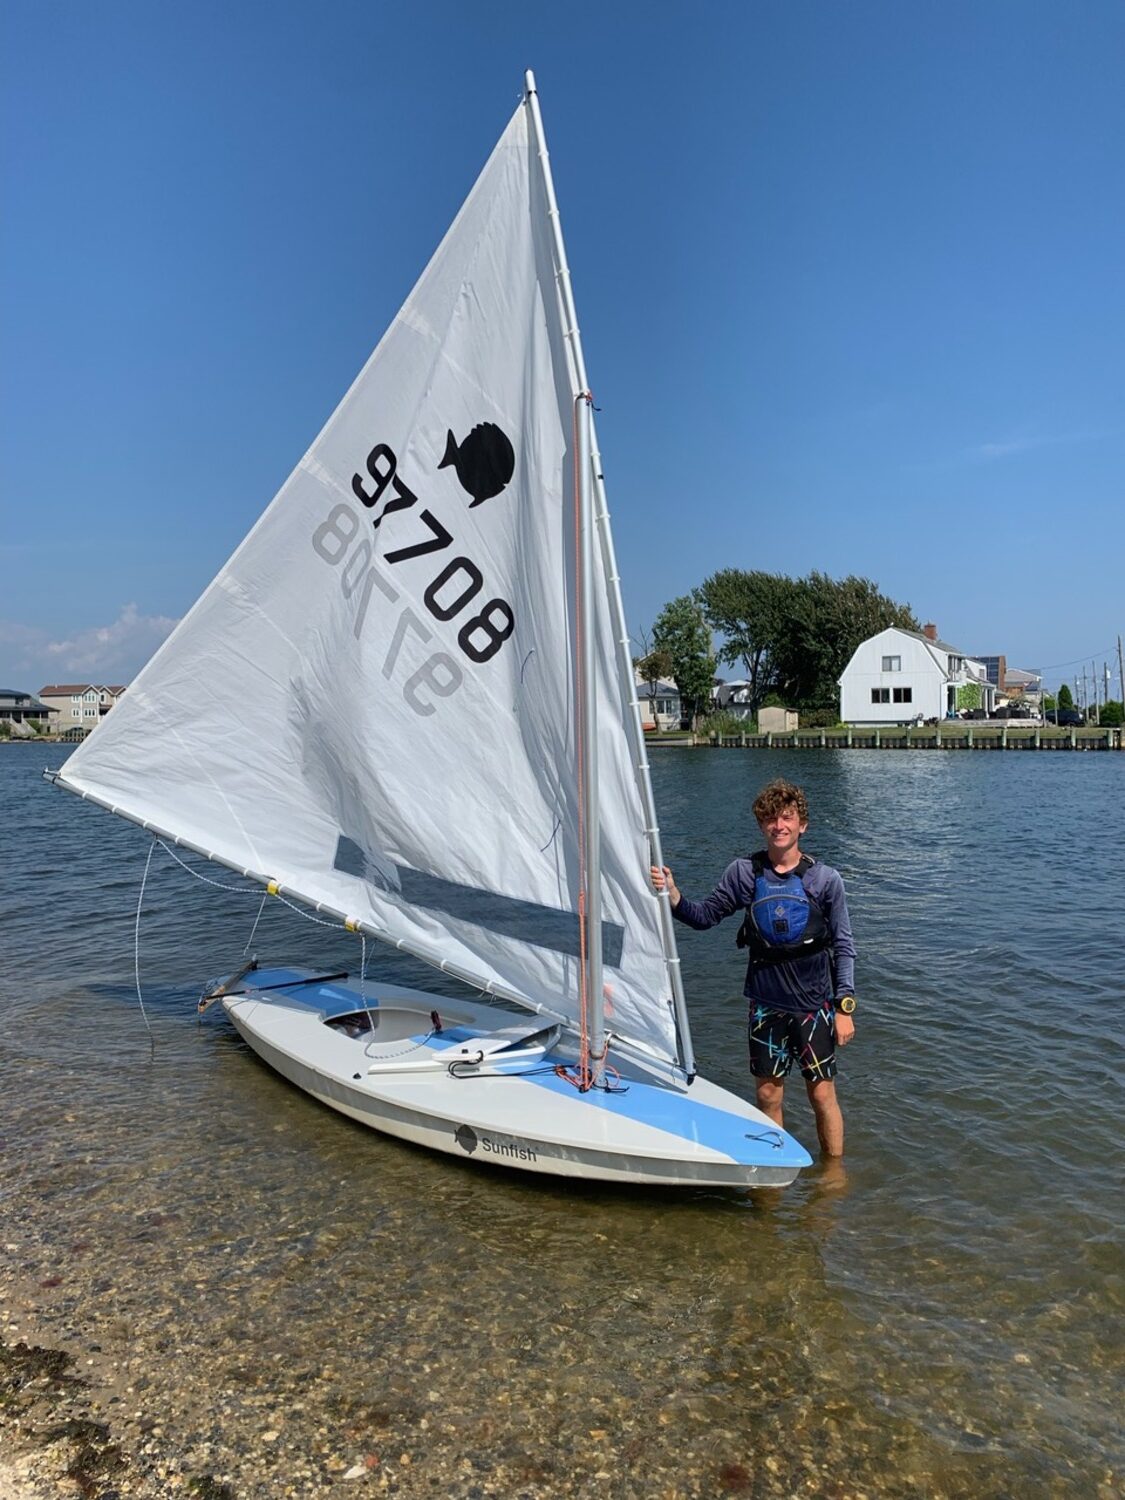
(484, 462)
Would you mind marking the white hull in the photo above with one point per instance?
(502, 1103)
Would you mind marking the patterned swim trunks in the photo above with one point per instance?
(778, 1038)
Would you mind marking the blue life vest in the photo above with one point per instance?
(783, 922)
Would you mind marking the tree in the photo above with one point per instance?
(1112, 713)
(747, 609)
(823, 622)
(681, 632)
(655, 665)
(1066, 697)
(1049, 702)
(652, 667)
(969, 695)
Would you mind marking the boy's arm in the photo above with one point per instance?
(727, 897)
(843, 942)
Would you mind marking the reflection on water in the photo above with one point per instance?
(286, 1294)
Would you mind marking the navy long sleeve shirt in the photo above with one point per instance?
(802, 984)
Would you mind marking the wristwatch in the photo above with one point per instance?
(846, 1004)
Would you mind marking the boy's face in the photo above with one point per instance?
(783, 830)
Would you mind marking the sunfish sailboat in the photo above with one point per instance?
(407, 701)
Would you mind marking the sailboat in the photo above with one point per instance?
(407, 703)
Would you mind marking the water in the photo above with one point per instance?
(274, 1294)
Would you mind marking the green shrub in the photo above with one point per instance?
(723, 722)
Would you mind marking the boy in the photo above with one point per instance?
(801, 974)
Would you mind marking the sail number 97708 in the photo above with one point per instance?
(447, 595)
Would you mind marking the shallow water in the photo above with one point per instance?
(277, 1295)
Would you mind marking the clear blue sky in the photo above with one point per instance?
(851, 280)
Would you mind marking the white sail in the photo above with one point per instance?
(373, 703)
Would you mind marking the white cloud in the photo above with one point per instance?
(100, 653)
(1022, 442)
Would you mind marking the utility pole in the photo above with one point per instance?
(1121, 671)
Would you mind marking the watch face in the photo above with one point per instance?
(847, 1005)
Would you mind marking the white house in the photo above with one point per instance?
(734, 698)
(660, 702)
(901, 675)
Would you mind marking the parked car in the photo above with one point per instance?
(1065, 718)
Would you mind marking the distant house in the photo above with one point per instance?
(901, 675)
(1026, 686)
(78, 705)
(660, 702)
(20, 710)
(996, 669)
(734, 698)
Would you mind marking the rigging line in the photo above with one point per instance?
(234, 890)
(257, 919)
(402, 1052)
(308, 916)
(137, 946)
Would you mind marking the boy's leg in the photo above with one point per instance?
(829, 1119)
(818, 1065)
(771, 1057)
(770, 1094)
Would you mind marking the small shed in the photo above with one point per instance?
(777, 720)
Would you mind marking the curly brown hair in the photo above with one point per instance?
(776, 797)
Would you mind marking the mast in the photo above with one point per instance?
(590, 474)
(591, 896)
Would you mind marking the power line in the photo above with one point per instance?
(1078, 660)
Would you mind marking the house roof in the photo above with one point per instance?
(920, 635)
(64, 689)
(25, 701)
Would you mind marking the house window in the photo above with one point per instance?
(76, 697)
(880, 695)
(892, 663)
(91, 713)
(904, 695)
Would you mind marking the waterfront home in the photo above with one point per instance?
(660, 702)
(78, 705)
(902, 676)
(19, 710)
